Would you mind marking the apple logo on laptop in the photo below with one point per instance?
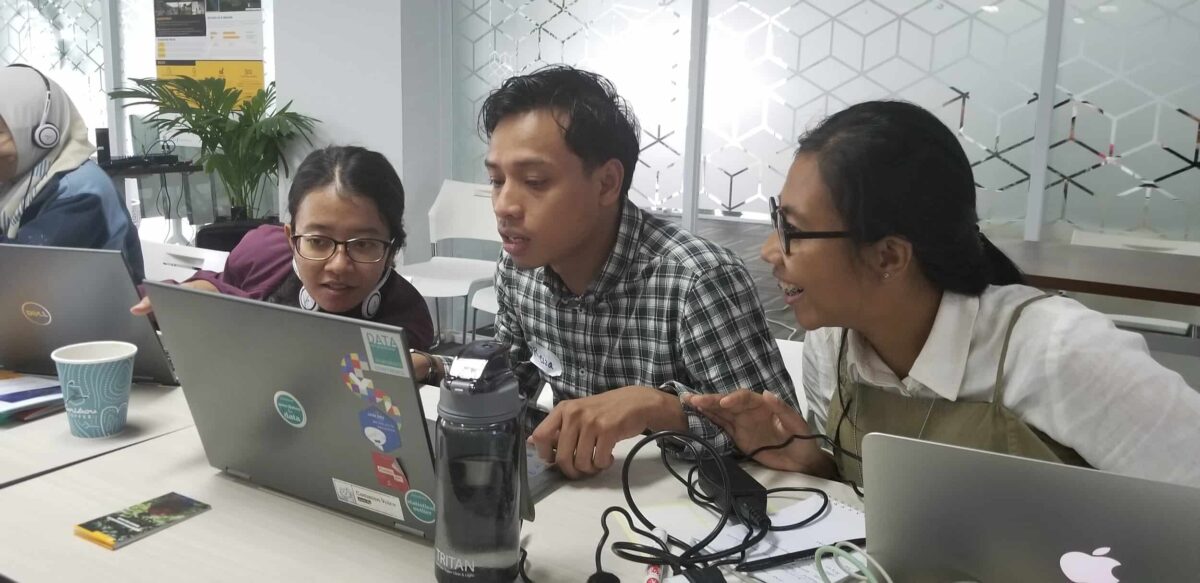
(1094, 568)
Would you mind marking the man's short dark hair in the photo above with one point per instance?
(597, 124)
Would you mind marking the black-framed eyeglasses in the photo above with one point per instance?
(359, 249)
(787, 231)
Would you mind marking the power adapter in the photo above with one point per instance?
(746, 498)
(704, 575)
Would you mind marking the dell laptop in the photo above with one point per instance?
(54, 296)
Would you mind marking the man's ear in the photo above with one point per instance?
(609, 178)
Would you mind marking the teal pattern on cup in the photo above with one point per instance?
(95, 379)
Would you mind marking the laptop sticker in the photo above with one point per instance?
(383, 352)
(389, 472)
(290, 409)
(382, 431)
(368, 499)
(421, 506)
(36, 313)
(354, 375)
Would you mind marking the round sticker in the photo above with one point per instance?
(290, 409)
(420, 506)
(36, 313)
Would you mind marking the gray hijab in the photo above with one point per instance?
(22, 99)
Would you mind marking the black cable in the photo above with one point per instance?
(690, 442)
(830, 442)
(521, 567)
(741, 556)
(695, 556)
(644, 554)
(163, 194)
(815, 516)
(666, 558)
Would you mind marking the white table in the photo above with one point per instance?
(254, 534)
(42, 445)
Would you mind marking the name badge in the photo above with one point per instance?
(545, 360)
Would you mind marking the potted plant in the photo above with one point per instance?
(241, 140)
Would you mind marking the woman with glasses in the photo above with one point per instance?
(336, 255)
(920, 327)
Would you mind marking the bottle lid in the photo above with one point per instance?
(480, 387)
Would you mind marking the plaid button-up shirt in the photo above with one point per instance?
(668, 310)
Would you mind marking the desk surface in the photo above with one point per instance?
(1140, 275)
(255, 534)
(45, 444)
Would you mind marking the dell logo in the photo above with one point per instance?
(36, 313)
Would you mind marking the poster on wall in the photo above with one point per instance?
(211, 38)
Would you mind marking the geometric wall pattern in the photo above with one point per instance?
(775, 68)
(73, 57)
(642, 46)
(1125, 153)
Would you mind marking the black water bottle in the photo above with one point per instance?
(478, 447)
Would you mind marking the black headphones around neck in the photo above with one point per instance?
(45, 134)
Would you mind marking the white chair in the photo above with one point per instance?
(484, 300)
(793, 360)
(462, 211)
(176, 262)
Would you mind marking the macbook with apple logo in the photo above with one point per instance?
(944, 513)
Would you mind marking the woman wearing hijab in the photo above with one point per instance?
(51, 193)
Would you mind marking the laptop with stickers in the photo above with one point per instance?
(55, 296)
(317, 406)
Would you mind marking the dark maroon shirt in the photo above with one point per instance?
(262, 263)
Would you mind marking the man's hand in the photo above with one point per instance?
(579, 435)
(756, 420)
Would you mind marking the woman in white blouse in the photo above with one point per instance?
(921, 327)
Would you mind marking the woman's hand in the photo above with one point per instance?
(144, 308)
(756, 420)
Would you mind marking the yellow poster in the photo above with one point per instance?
(244, 75)
(211, 38)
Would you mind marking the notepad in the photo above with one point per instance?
(840, 522)
(20, 392)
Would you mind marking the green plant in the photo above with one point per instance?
(242, 141)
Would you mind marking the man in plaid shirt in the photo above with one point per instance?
(621, 313)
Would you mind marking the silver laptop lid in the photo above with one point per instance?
(55, 296)
(317, 406)
(944, 513)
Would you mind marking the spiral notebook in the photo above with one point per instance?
(839, 522)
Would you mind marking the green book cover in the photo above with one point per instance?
(118, 529)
